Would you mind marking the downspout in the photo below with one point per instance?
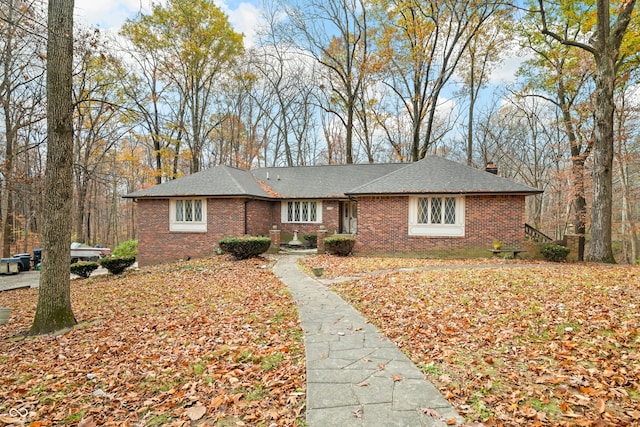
(246, 219)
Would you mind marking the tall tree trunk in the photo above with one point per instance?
(54, 312)
(600, 249)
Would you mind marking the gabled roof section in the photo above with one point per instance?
(433, 175)
(222, 181)
(317, 182)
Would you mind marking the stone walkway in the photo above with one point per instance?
(355, 375)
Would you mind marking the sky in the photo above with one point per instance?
(111, 14)
(244, 16)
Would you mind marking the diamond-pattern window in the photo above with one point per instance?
(179, 210)
(450, 210)
(197, 210)
(189, 210)
(423, 211)
(313, 211)
(302, 211)
(436, 210)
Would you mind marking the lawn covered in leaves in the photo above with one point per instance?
(206, 342)
(542, 345)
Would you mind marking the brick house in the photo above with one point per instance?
(432, 204)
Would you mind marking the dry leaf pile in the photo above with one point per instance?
(336, 267)
(203, 342)
(554, 345)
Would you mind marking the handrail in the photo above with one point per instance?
(536, 235)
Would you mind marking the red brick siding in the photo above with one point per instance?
(156, 244)
(260, 217)
(330, 219)
(383, 225)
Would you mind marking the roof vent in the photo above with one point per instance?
(267, 176)
(491, 168)
(278, 178)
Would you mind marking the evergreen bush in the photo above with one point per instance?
(554, 253)
(127, 248)
(340, 245)
(311, 239)
(117, 265)
(83, 268)
(245, 247)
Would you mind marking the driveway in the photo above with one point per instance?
(25, 279)
(30, 279)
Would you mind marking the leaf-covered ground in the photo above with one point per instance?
(542, 345)
(208, 342)
(344, 267)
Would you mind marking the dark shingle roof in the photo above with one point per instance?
(430, 175)
(322, 181)
(437, 175)
(217, 181)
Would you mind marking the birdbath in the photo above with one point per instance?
(295, 241)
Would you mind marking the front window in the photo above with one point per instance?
(441, 216)
(188, 215)
(302, 211)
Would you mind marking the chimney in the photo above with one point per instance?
(491, 168)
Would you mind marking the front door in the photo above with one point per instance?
(349, 217)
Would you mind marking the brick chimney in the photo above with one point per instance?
(491, 168)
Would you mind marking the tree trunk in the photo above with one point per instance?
(600, 248)
(54, 312)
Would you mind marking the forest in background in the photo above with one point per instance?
(338, 81)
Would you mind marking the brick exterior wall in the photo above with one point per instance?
(330, 220)
(156, 244)
(383, 225)
(261, 217)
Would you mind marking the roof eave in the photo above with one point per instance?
(474, 193)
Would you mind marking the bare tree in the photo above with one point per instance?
(421, 45)
(21, 71)
(335, 33)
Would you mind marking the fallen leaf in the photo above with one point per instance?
(87, 422)
(431, 412)
(196, 412)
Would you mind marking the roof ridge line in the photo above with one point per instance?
(382, 176)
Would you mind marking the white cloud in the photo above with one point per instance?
(111, 14)
(245, 18)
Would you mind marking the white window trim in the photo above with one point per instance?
(436, 230)
(284, 217)
(187, 226)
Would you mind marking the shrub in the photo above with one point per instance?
(311, 239)
(245, 247)
(83, 269)
(340, 245)
(555, 253)
(128, 248)
(117, 265)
